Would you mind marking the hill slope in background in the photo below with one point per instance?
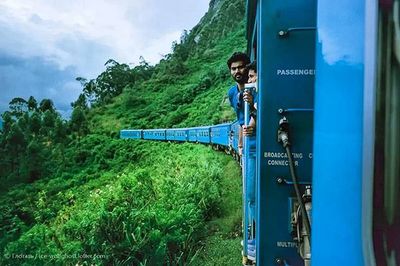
(74, 193)
(188, 87)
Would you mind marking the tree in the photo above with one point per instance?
(78, 122)
(49, 119)
(7, 122)
(46, 104)
(60, 131)
(184, 37)
(15, 146)
(35, 160)
(32, 104)
(18, 106)
(16, 136)
(80, 102)
(143, 71)
(35, 123)
(109, 83)
(49, 122)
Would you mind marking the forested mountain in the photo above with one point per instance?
(73, 193)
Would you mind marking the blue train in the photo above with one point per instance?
(222, 136)
(327, 164)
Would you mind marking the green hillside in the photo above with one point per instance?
(73, 193)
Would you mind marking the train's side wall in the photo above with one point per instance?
(338, 127)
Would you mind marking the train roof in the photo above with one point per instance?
(154, 129)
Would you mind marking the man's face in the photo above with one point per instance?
(238, 72)
(252, 76)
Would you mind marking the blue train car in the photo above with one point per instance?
(192, 134)
(357, 134)
(154, 134)
(203, 134)
(170, 134)
(234, 136)
(281, 37)
(181, 134)
(130, 134)
(219, 134)
(343, 144)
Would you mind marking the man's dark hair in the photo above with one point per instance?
(252, 66)
(236, 57)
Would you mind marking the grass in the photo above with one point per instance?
(222, 245)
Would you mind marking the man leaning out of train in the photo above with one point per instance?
(237, 67)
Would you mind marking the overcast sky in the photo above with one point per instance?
(46, 44)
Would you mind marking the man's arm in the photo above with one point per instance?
(248, 97)
(240, 144)
(250, 130)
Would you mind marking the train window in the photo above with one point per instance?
(386, 203)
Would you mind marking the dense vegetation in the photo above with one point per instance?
(72, 190)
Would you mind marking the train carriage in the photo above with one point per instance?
(203, 134)
(170, 134)
(181, 134)
(154, 134)
(130, 134)
(192, 135)
(219, 134)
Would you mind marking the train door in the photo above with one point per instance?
(286, 69)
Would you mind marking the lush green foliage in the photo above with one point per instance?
(31, 134)
(149, 206)
(71, 188)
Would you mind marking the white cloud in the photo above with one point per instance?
(125, 29)
(45, 43)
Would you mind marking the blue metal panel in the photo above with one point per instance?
(181, 134)
(155, 134)
(147, 134)
(249, 197)
(235, 136)
(338, 131)
(203, 134)
(192, 135)
(369, 106)
(170, 134)
(220, 134)
(286, 43)
(130, 134)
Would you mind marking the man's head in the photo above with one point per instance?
(252, 72)
(237, 66)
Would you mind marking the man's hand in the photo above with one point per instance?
(248, 130)
(247, 97)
